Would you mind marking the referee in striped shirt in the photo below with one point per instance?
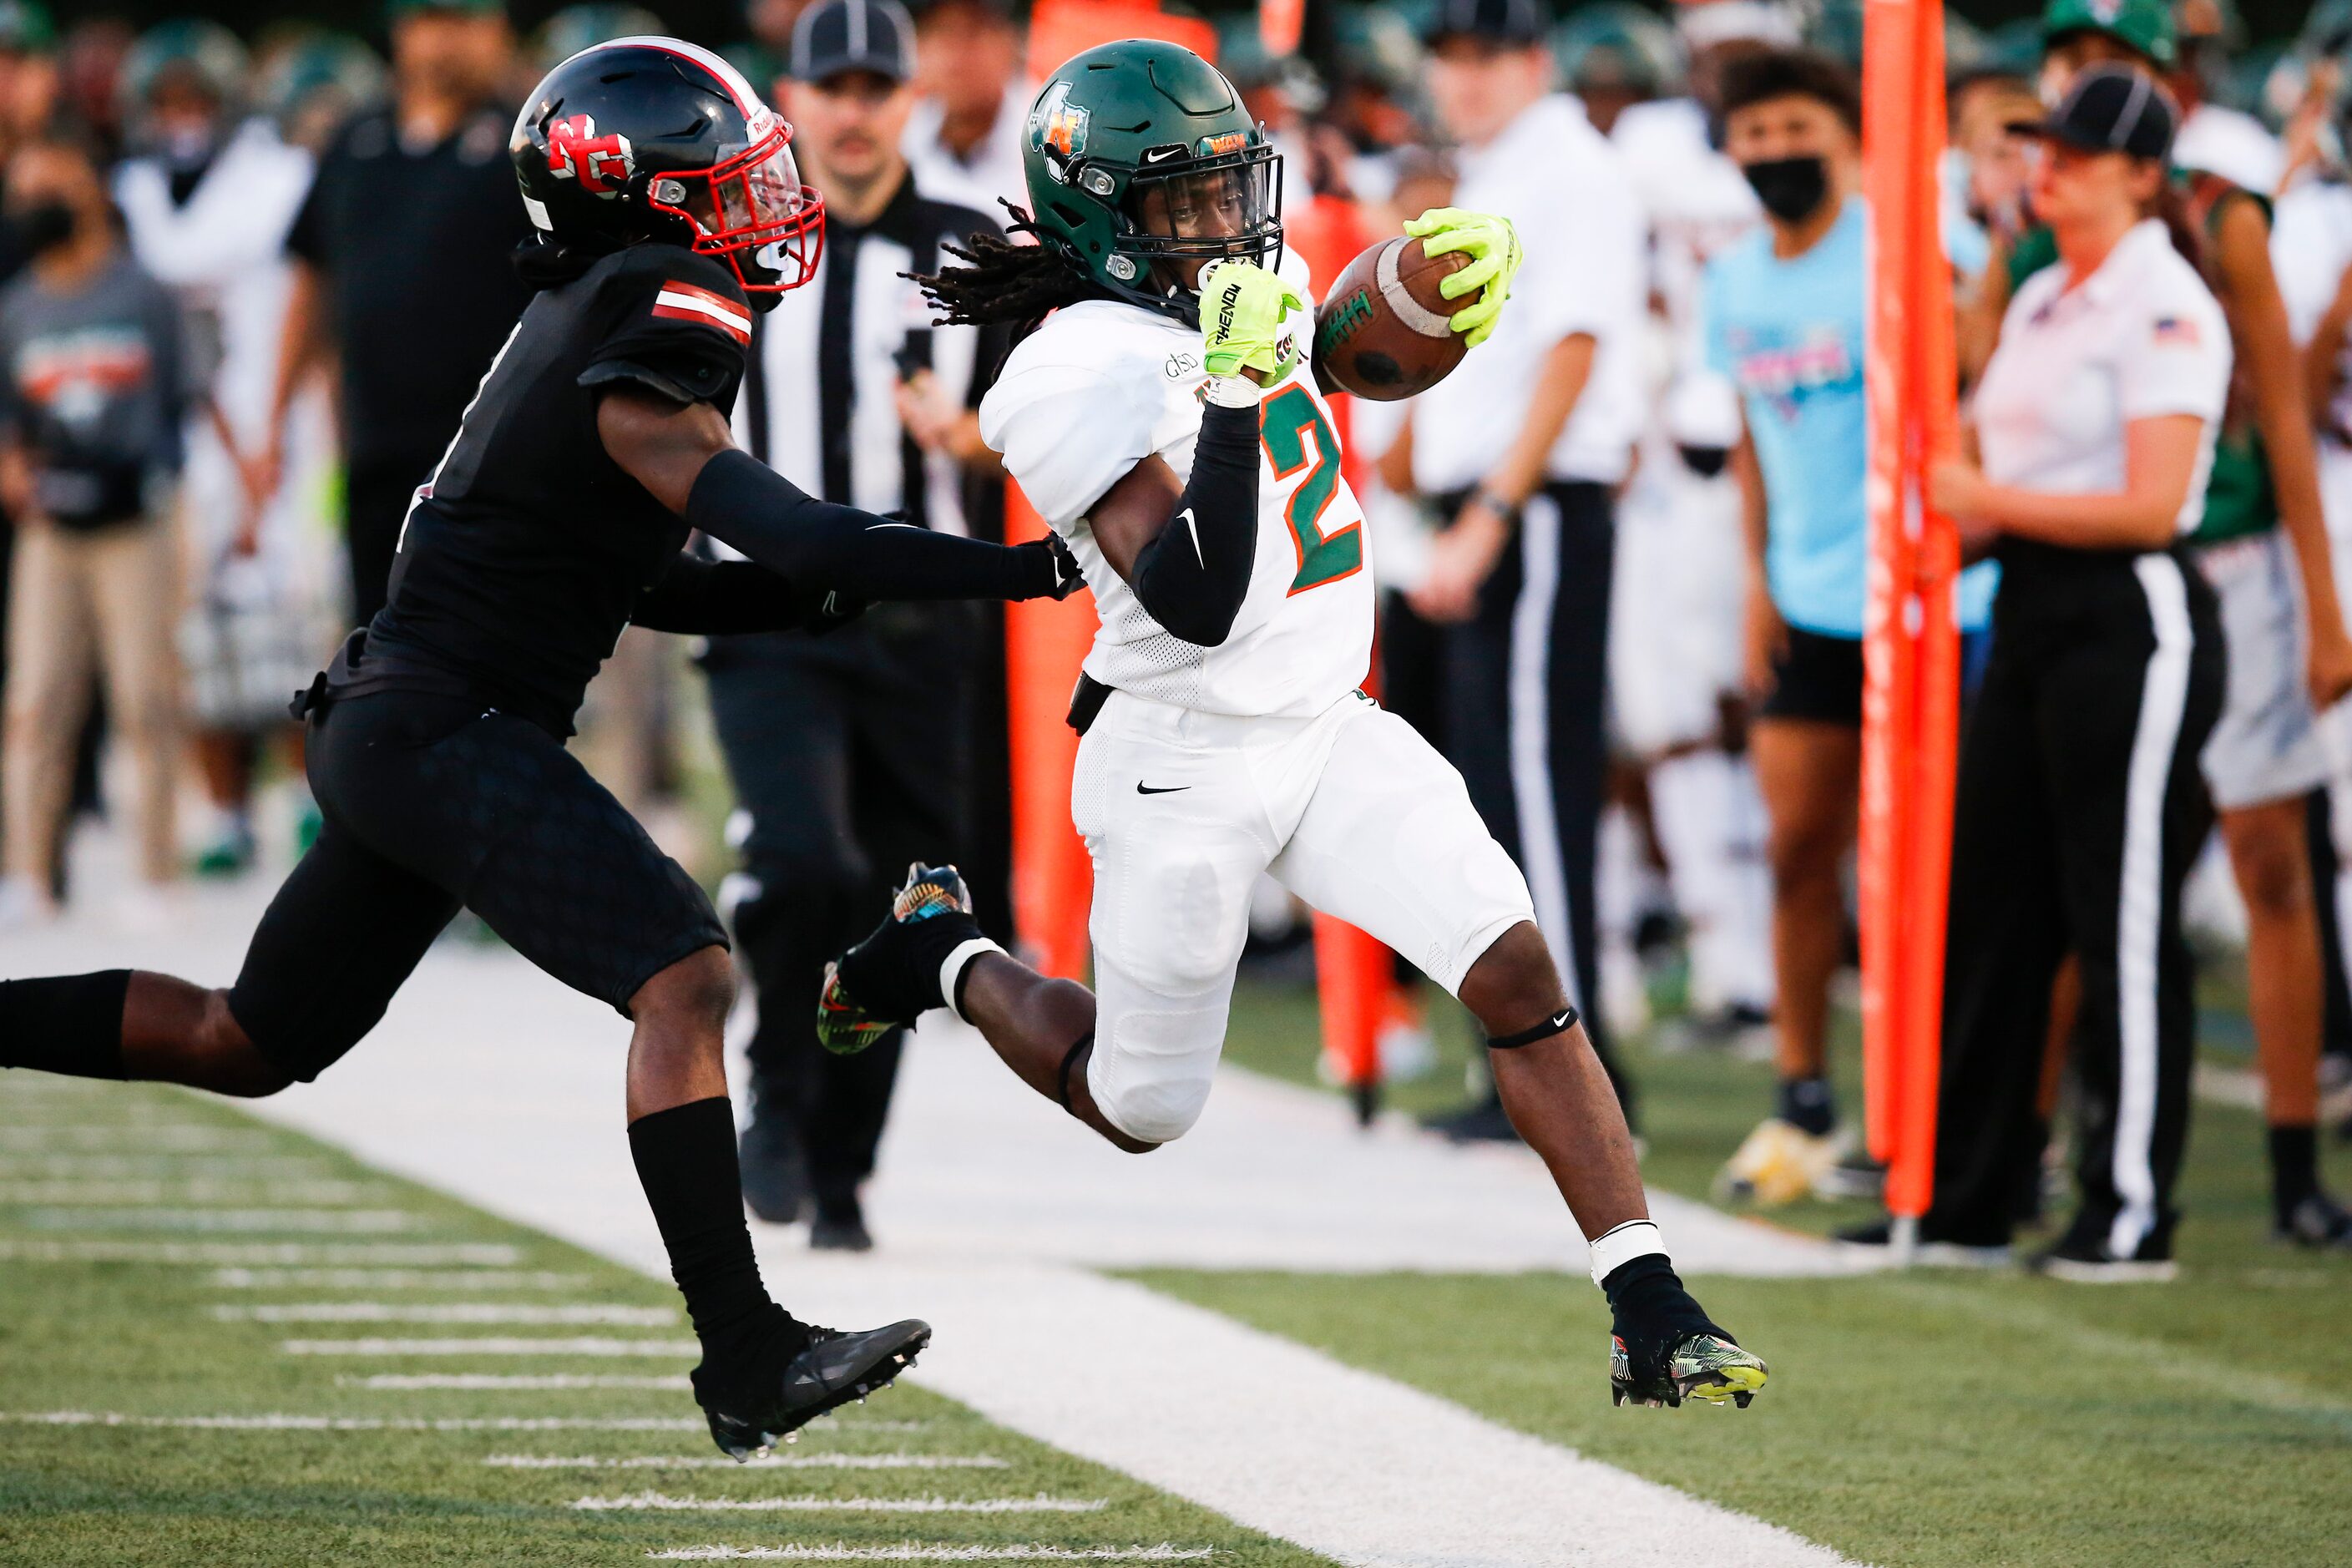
(851, 754)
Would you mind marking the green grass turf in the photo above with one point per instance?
(1935, 1418)
(142, 1339)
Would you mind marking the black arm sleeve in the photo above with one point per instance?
(719, 598)
(1194, 576)
(749, 505)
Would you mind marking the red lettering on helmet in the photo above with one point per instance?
(602, 165)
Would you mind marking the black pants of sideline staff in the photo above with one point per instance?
(850, 757)
(2080, 810)
(1526, 684)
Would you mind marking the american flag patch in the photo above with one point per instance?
(2178, 332)
(685, 302)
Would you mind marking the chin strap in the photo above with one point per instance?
(1559, 1022)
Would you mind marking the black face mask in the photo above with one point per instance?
(1705, 461)
(1792, 189)
(42, 226)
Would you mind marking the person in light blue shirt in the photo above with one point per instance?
(1782, 315)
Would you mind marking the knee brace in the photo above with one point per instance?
(1145, 1078)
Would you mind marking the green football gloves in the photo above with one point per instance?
(1242, 308)
(1493, 246)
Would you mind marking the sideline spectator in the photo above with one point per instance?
(964, 135)
(851, 754)
(1784, 319)
(207, 200)
(90, 405)
(1524, 457)
(404, 264)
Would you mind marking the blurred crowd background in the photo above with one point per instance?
(306, 340)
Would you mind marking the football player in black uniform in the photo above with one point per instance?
(667, 208)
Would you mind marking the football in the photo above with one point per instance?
(1387, 331)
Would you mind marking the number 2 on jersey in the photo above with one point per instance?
(1288, 420)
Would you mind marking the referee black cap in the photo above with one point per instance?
(2111, 109)
(1513, 22)
(833, 36)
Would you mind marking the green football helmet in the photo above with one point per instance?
(2142, 25)
(1130, 145)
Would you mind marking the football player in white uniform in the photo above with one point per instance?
(1168, 420)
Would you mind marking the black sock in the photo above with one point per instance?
(1806, 1105)
(2294, 1168)
(70, 1024)
(685, 1161)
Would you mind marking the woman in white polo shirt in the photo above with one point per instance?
(2081, 804)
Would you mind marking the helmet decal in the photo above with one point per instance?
(1058, 129)
(603, 165)
(1217, 146)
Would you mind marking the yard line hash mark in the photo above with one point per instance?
(538, 1314)
(663, 1502)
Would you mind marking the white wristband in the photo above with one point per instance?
(965, 952)
(1620, 1245)
(1233, 390)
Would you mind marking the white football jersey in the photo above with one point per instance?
(1102, 385)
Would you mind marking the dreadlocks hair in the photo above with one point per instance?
(1006, 281)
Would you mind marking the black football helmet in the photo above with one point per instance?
(659, 139)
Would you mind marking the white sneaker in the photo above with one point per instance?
(1778, 1164)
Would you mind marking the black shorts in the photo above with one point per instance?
(432, 803)
(1819, 677)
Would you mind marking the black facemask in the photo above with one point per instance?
(1792, 189)
(44, 226)
(1705, 461)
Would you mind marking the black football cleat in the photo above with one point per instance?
(835, 1369)
(892, 978)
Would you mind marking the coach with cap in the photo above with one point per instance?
(851, 754)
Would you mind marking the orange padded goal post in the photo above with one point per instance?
(1911, 646)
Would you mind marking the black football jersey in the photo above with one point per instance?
(523, 555)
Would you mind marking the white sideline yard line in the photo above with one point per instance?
(915, 1551)
(261, 1253)
(277, 1420)
(661, 1502)
(195, 1190)
(526, 1313)
(323, 1222)
(579, 1345)
(396, 1280)
(491, 1382)
(760, 1462)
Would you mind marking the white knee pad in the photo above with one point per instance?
(1150, 1071)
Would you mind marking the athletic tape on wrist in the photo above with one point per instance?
(952, 970)
(1559, 1022)
(1233, 392)
(1620, 1245)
